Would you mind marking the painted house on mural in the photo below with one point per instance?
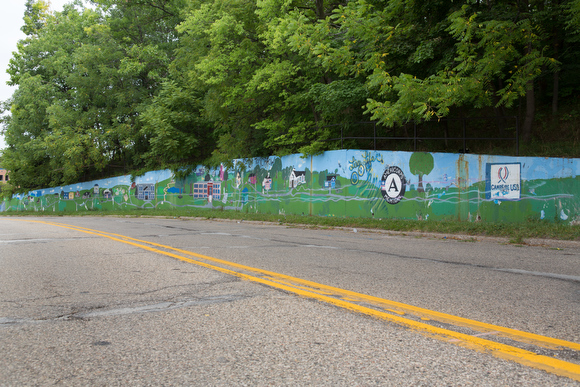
(3, 174)
(145, 192)
(330, 182)
(297, 178)
(207, 188)
(252, 179)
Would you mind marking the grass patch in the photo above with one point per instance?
(517, 239)
(517, 233)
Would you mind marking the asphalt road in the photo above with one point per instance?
(78, 307)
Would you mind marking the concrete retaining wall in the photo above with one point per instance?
(345, 183)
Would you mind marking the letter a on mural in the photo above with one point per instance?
(393, 185)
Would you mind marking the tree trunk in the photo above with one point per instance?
(555, 92)
(315, 114)
(320, 9)
(530, 106)
(446, 132)
(501, 120)
(499, 111)
(530, 112)
(556, 41)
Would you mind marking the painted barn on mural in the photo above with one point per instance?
(345, 183)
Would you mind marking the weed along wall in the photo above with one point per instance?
(345, 183)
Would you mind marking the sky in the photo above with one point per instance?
(10, 23)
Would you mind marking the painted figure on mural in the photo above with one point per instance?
(267, 183)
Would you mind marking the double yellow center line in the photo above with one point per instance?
(380, 308)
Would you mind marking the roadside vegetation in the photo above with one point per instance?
(513, 232)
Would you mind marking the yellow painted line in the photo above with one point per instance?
(393, 306)
(503, 351)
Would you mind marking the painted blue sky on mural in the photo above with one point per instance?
(436, 185)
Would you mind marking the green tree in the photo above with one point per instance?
(502, 48)
(179, 136)
(315, 102)
(423, 60)
(218, 51)
(26, 155)
(84, 79)
(35, 15)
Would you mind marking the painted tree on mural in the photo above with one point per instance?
(276, 167)
(322, 177)
(420, 164)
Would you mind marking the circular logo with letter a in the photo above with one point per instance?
(393, 185)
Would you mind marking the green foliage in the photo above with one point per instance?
(506, 50)
(178, 135)
(6, 191)
(82, 87)
(35, 15)
(137, 85)
(573, 22)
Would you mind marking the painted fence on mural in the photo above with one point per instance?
(346, 183)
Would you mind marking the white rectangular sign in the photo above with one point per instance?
(504, 181)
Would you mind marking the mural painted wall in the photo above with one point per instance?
(346, 183)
